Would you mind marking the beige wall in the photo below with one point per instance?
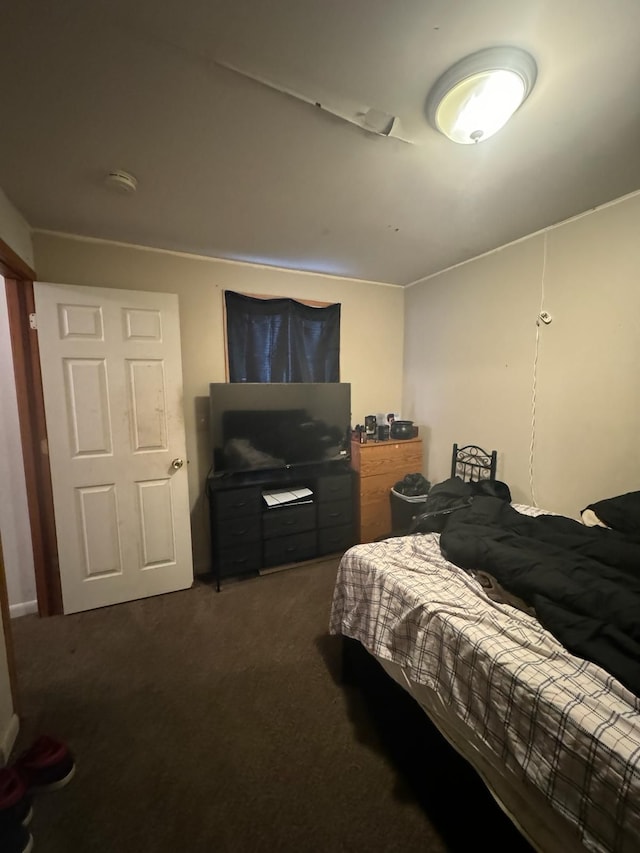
(14, 508)
(14, 230)
(8, 719)
(15, 534)
(371, 327)
(469, 348)
(469, 360)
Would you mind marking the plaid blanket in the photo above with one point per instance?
(562, 723)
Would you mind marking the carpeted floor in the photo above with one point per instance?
(206, 721)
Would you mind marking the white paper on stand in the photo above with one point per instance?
(280, 497)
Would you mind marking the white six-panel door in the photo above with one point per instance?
(112, 378)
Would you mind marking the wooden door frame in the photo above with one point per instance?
(19, 278)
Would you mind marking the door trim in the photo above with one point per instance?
(19, 278)
(12, 265)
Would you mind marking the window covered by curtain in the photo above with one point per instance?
(281, 340)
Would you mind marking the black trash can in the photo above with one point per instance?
(404, 508)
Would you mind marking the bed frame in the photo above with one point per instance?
(447, 770)
(473, 463)
(443, 782)
(557, 750)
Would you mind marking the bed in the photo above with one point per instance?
(555, 737)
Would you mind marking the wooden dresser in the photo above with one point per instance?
(379, 466)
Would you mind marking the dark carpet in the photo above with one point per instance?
(206, 721)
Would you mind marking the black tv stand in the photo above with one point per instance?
(248, 537)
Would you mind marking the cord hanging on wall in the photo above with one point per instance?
(543, 317)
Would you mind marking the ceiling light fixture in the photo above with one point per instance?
(478, 95)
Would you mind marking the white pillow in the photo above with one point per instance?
(590, 519)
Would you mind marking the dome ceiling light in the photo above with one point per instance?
(479, 94)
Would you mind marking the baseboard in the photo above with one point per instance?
(23, 609)
(8, 738)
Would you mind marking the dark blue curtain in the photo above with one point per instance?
(281, 340)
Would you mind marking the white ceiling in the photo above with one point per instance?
(231, 168)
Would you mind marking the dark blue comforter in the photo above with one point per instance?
(583, 582)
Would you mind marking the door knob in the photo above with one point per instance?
(177, 464)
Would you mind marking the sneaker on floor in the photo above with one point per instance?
(15, 802)
(15, 838)
(46, 766)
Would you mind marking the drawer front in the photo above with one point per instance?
(334, 514)
(336, 487)
(332, 540)
(373, 528)
(376, 490)
(290, 549)
(237, 531)
(235, 502)
(401, 457)
(283, 522)
(241, 560)
(375, 514)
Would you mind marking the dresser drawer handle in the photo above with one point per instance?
(288, 522)
(290, 549)
(240, 561)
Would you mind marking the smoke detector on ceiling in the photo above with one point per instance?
(121, 181)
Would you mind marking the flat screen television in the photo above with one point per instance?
(274, 426)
